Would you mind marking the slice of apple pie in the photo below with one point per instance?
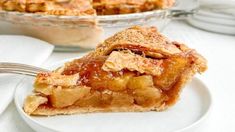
(137, 69)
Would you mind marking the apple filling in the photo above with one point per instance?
(107, 81)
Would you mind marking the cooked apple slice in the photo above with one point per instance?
(147, 96)
(62, 97)
(140, 82)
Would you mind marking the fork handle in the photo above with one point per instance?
(19, 72)
(17, 68)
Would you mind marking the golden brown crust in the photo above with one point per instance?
(71, 8)
(119, 60)
(50, 7)
(57, 79)
(199, 61)
(146, 40)
(49, 111)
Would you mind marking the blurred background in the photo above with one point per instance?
(73, 34)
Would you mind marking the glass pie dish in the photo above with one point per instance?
(75, 33)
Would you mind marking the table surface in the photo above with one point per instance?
(217, 48)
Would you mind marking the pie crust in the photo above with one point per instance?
(109, 7)
(50, 7)
(137, 69)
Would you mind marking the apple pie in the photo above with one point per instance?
(135, 70)
(84, 7)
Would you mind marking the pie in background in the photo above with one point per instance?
(50, 20)
(84, 7)
(135, 70)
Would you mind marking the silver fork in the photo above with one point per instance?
(17, 68)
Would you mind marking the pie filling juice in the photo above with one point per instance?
(120, 88)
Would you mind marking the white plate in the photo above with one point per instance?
(188, 113)
(213, 27)
(215, 20)
(218, 14)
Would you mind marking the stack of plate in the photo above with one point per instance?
(215, 17)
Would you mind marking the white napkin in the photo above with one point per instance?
(19, 49)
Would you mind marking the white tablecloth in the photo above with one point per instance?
(220, 52)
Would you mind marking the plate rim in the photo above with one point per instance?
(208, 110)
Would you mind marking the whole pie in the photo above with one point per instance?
(135, 70)
(84, 7)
